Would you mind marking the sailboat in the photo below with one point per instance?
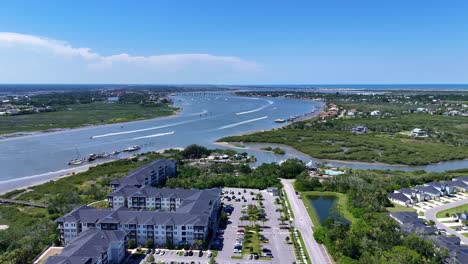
(79, 160)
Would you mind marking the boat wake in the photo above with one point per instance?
(155, 135)
(142, 130)
(199, 113)
(243, 122)
(256, 109)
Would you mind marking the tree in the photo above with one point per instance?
(149, 243)
(150, 259)
(195, 151)
(399, 254)
(131, 243)
(291, 168)
(197, 243)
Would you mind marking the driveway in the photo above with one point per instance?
(302, 222)
(431, 215)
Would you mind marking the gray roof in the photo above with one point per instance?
(404, 217)
(459, 184)
(87, 247)
(427, 190)
(461, 178)
(434, 184)
(196, 209)
(137, 176)
(148, 191)
(406, 191)
(398, 196)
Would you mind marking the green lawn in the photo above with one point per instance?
(458, 209)
(400, 208)
(78, 115)
(341, 205)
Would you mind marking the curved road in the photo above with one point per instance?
(431, 215)
(317, 252)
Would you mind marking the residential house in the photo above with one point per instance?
(457, 185)
(399, 198)
(410, 223)
(429, 190)
(463, 179)
(462, 218)
(443, 188)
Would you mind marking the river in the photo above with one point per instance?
(204, 118)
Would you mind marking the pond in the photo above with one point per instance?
(325, 207)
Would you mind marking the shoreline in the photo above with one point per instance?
(16, 135)
(38, 179)
(230, 145)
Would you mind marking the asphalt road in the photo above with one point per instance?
(302, 222)
(431, 215)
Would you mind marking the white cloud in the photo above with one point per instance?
(29, 58)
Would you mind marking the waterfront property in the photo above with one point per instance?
(189, 222)
(93, 246)
(160, 199)
(152, 174)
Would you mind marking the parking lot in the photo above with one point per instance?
(172, 256)
(270, 229)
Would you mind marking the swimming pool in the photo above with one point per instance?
(333, 172)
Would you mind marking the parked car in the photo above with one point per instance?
(209, 254)
(255, 255)
(162, 253)
(190, 253)
(157, 251)
(200, 253)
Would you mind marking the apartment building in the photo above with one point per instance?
(181, 223)
(159, 199)
(93, 246)
(152, 174)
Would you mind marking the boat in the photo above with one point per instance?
(92, 157)
(132, 148)
(76, 162)
(79, 160)
(280, 120)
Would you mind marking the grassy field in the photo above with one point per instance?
(400, 208)
(458, 209)
(340, 206)
(385, 143)
(78, 115)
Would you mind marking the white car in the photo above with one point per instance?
(157, 251)
(236, 250)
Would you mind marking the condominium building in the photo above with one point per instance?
(182, 222)
(152, 174)
(160, 199)
(93, 246)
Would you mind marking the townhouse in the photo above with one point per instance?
(180, 223)
(428, 191)
(152, 174)
(93, 246)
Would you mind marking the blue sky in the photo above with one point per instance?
(234, 42)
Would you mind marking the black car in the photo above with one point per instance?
(255, 255)
(190, 253)
(200, 253)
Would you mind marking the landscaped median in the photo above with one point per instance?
(340, 206)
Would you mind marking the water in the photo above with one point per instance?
(291, 153)
(205, 118)
(325, 207)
